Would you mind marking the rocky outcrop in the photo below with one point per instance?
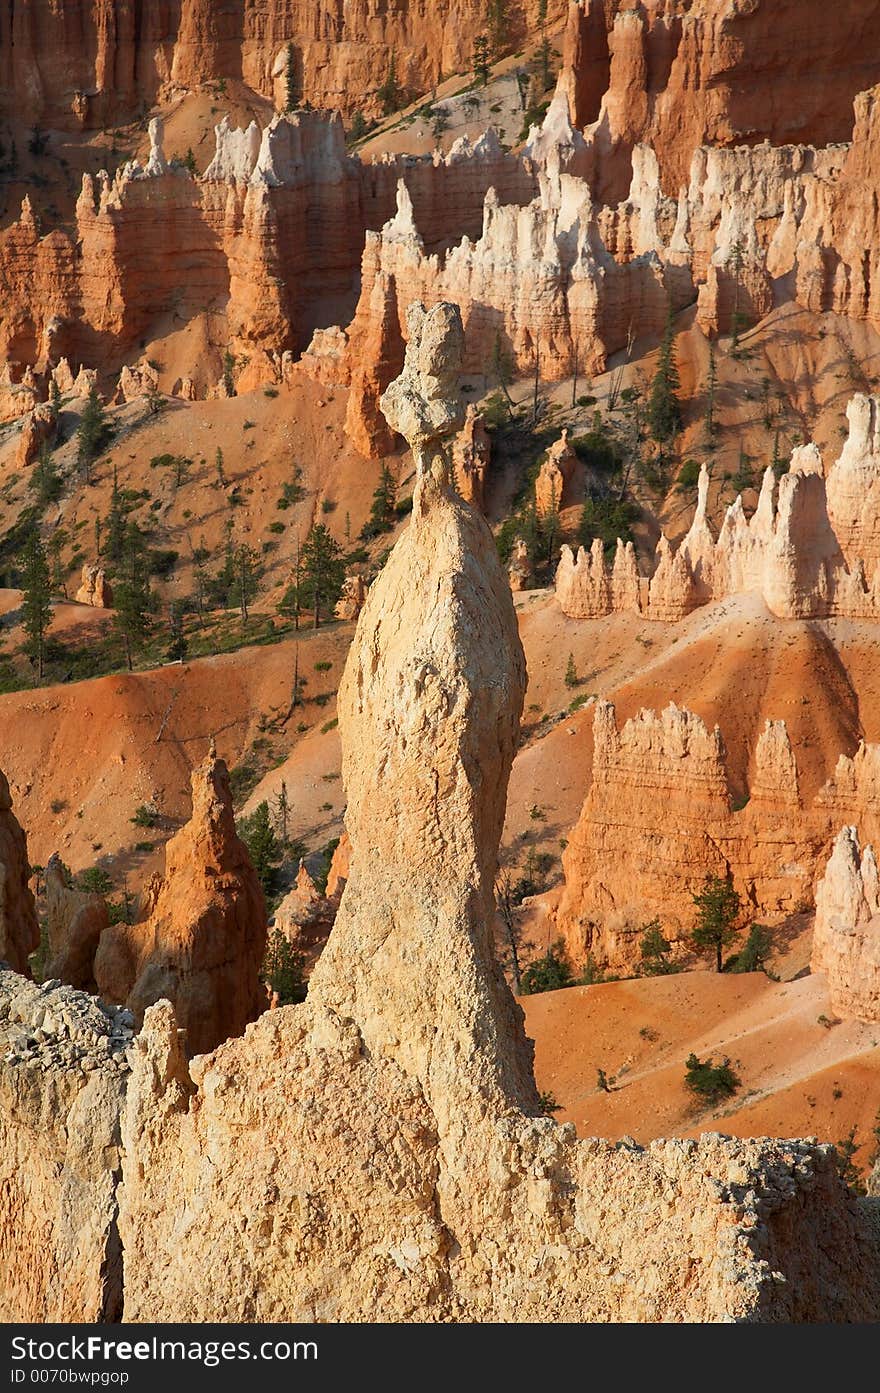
(519, 568)
(472, 455)
(553, 484)
(139, 381)
(95, 588)
(721, 74)
(846, 939)
(660, 815)
(62, 1081)
(854, 485)
(96, 64)
(19, 930)
(351, 600)
(788, 551)
(201, 938)
(39, 429)
(75, 921)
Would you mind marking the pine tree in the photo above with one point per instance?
(91, 434)
(177, 644)
(218, 465)
(323, 572)
(664, 410)
(737, 319)
(502, 367)
(481, 59)
(45, 479)
(114, 539)
(718, 907)
(654, 950)
(246, 582)
(382, 515)
(571, 674)
(36, 606)
(389, 93)
(56, 565)
(283, 969)
(291, 85)
(711, 388)
(282, 813)
(498, 24)
(259, 837)
(132, 597)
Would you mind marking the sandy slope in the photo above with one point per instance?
(798, 1077)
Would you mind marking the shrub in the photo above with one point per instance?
(688, 476)
(283, 969)
(654, 950)
(145, 816)
(710, 1082)
(547, 974)
(754, 953)
(94, 881)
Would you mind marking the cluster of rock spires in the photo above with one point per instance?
(379, 1151)
(661, 814)
(810, 549)
(617, 207)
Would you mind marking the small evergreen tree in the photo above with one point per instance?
(710, 1082)
(246, 578)
(36, 605)
(711, 389)
(718, 907)
(498, 24)
(291, 84)
(91, 434)
(846, 1166)
(283, 969)
(45, 481)
(737, 319)
(664, 410)
(547, 974)
(115, 530)
(571, 675)
(502, 367)
(323, 572)
(757, 948)
(259, 837)
(654, 949)
(382, 515)
(132, 597)
(177, 644)
(481, 59)
(390, 94)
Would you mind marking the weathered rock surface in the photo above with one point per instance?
(39, 429)
(62, 1078)
(660, 815)
(846, 939)
(201, 938)
(19, 930)
(95, 588)
(804, 549)
(472, 455)
(75, 921)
